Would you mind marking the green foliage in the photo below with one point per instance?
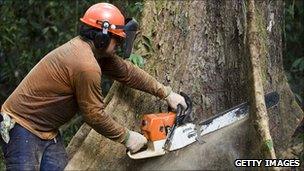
(135, 9)
(298, 65)
(269, 144)
(294, 47)
(136, 59)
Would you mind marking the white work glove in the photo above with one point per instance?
(135, 141)
(5, 126)
(174, 99)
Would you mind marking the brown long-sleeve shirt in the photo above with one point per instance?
(67, 80)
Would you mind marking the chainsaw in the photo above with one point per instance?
(172, 131)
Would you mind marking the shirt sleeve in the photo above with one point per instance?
(132, 76)
(87, 86)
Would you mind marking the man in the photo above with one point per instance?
(68, 80)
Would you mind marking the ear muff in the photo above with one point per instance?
(102, 38)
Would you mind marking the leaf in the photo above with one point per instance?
(139, 6)
(54, 28)
(297, 62)
(45, 30)
(8, 39)
(269, 144)
(22, 21)
(31, 2)
(137, 60)
(35, 25)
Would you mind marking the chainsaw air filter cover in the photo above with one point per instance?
(156, 126)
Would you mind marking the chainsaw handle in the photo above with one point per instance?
(188, 101)
(184, 115)
(144, 148)
(180, 111)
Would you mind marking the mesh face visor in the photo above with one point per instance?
(130, 29)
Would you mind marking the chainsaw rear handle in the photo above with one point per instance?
(184, 115)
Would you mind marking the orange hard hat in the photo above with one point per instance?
(102, 12)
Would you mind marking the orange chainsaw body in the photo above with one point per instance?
(155, 126)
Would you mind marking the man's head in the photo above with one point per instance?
(104, 45)
(104, 25)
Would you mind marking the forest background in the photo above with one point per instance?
(30, 29)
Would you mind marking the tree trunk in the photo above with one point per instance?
(258, 113)
(199, 47)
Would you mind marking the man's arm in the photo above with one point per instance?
(131, 75)
(87, 85)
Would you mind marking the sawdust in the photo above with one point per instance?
(219, 151)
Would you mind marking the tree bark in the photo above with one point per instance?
(199, 47)
(259, 116)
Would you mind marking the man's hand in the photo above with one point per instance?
(174, 99)
(135, 141)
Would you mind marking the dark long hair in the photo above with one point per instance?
(89, 33)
